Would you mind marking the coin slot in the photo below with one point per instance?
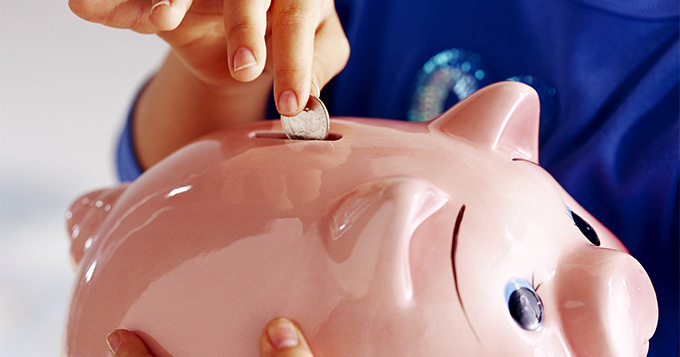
(268, 135)
(282, 136)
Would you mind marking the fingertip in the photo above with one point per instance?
(316, 90)
(122, 342)
(113, 340)
(245, 66)
(282, 334)
(281, 337)
(293, 98)
(160, 3)
(288, 103)
(167, 16)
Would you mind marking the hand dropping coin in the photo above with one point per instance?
(313, 122)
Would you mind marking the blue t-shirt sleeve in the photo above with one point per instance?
(127, 165)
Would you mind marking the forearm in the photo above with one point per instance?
(176, 108)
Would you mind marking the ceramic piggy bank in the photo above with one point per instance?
(386, 239)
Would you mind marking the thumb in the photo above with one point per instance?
(126, 344)
(282, 338)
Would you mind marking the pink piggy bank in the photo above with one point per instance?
(387, 239)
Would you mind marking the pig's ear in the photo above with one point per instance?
(503, 116)
(85, 217)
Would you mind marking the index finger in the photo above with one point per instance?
(294, 24)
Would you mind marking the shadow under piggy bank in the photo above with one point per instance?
(387, 239)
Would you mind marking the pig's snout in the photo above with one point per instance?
(607, 304)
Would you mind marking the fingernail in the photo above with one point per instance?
(162, 2)
(288, 102)
(243, 58)
(113, 340)
(315, 89)
(282, 334)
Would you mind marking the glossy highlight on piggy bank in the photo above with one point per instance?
(387, 239)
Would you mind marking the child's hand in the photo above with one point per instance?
(232, 39)
(279, 338)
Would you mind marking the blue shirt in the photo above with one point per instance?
(607, 73)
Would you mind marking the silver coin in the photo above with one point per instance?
(313, 122)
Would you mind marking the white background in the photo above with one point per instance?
(65, 88)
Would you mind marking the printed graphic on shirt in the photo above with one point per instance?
(445, 79)
(453, 74)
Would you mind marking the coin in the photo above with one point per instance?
(313, 122)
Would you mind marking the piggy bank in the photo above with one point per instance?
(386, 239)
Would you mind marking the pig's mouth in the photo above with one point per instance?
(454, 246)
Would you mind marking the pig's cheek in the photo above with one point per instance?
(304, 194)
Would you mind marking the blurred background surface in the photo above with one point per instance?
(65, 89)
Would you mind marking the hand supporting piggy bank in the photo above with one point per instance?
(387, 239)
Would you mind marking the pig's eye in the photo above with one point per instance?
(584, 227)
(524, 304)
